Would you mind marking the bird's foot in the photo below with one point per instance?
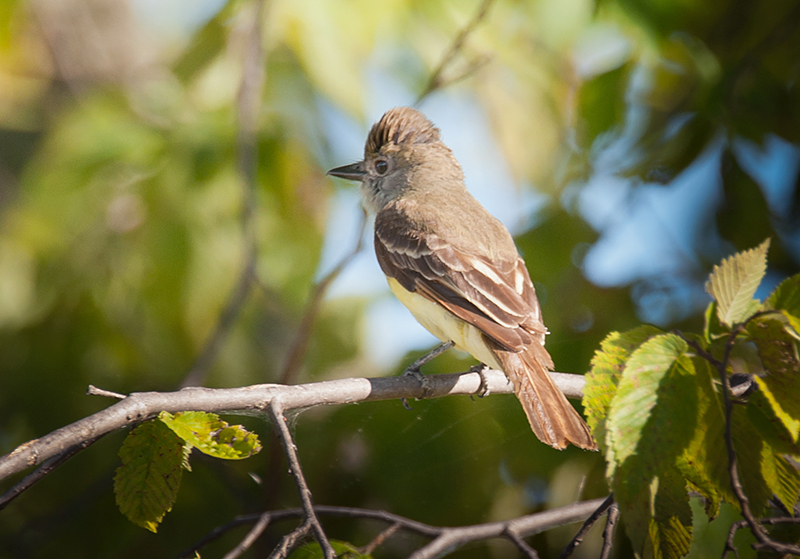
(423, 381)
(483, 387)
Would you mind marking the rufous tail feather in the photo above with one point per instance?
(552, 417)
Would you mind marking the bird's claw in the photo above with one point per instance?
(483, 387)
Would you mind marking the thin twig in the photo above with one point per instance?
(453, 538)
(733, 470)
(289, 541)
(522, 545)
(436, 80)
(523, 526)
(39, 473)
(220, 531)
(249, 106)
(736, 526)
(94, 391)
(276, 412)
(608, 532)
(576, 541)
(380, 538)
(254, 533)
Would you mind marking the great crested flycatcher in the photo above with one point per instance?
(456, 267)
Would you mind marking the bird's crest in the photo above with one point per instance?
(401, 125)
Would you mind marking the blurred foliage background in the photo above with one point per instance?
(641, 140)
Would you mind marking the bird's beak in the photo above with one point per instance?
(354, 172)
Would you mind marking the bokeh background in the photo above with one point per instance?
(628, 144)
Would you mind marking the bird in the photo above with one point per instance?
(457, 268)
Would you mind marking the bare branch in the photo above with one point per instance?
(452, 538)
(254, 533)
(522, 545)
(736, 526)
(380, 538)
(437, 81)
(249, 106)
(458, 536)
(276, 412)
(94, 391)
(289, 541)
(576, 541)
(48, 466)
(608, 532)
(254, 400)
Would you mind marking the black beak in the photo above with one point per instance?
(354, 172)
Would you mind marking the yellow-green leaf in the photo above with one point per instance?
(212, 436)
(786, 298)
(639, 392)
(607, 365)
(734, 282)
(779, 356)
(671, 526)
(704, 462)
(651, 421)
(147, 483)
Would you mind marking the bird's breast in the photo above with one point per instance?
(444, 325)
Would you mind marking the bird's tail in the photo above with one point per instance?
(551, 416)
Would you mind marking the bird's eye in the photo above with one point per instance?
(381, 167)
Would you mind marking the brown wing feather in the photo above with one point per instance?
(466, 294)
(471, 287)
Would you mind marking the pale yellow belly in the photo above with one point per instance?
(444, 325)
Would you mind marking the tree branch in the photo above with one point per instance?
(455, 536)
(289, 541)
(254, 400)
(254, 533)
(608, 532)
(39, 473)
(276, 412)
(436, 81)
(452, 538)
(576, 541)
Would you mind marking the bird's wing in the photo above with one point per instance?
(497, 297)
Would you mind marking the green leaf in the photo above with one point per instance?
(639, 391)
(734, 282)
(750, 455)
(786, 298)
(704, 462)
(713, 328)
(212, 436)
(772, 428)
(671, 526)
(147, 483)
(344, 550)
(651, 421)
(781, 477)
(781, 387)
(601, 381)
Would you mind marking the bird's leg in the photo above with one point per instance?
(483, 387)
(413, 369)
